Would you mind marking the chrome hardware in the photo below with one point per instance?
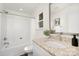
(5, 38)
(6, 44)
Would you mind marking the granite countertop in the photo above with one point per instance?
(68, 51)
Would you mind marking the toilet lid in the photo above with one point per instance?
(28, 49)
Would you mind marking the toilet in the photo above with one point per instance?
(28, 50)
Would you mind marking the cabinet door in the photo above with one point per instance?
(38, 51)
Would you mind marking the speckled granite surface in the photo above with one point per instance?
(67, 51)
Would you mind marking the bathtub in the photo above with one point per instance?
(13, 51)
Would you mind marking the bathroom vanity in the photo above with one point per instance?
(55, 46)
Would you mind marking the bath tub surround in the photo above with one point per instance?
(13, 51)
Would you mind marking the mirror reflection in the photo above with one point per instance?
(65, 17)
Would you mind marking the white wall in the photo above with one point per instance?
(73, 17)
(68, 14)
(33, 27)
(3, 28)
(0, 27)
(0, 30)
(0, 24)
(45, 9)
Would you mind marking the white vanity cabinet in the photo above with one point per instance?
(39, 51)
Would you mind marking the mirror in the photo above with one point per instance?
(65, 17)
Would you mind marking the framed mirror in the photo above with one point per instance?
(66, 15)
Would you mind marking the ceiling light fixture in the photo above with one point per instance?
(21, 9)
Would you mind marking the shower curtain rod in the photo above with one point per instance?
(16, 15)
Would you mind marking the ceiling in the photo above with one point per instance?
(28, 8)
(56, 7)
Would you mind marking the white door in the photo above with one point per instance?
(18, 30)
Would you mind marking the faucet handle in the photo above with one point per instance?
(5, 38)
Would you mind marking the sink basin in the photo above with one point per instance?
(54, 44)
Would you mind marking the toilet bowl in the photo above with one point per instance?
(28, 49)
